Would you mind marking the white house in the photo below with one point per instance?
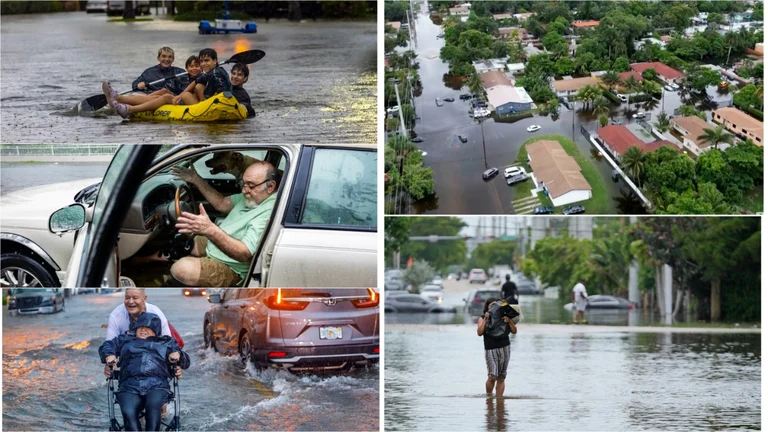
(490, 65)
(557, 173)
(516, 68)
(459, 11)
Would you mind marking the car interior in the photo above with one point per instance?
(149, 227)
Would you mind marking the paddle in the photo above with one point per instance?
(99, 101)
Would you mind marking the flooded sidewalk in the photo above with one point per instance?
(317, 82)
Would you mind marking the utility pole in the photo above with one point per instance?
(399, 107)
(482, 133)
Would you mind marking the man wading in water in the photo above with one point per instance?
(496, 350)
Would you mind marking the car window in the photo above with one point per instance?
(342, 189)
(229, 294)
(205, 172)
(113, 174)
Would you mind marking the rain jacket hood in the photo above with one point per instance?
(148, 319)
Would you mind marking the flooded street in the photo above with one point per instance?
(573, 379)
(458, 166)
(614, 374)
(17, 176)
(53, 379)
(317, 82)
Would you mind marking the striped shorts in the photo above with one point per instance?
(497, 360)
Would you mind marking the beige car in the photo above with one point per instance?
(322, 232)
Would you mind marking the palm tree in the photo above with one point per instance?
(603, 121)
(690, 110)
(662, 122)
(759, 95)
(632, 162)
(611, 79)
(475, 84)
(601, 107)
(716, 136)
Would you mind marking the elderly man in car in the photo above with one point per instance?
(222, 253)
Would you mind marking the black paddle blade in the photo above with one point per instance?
(96, 102)
(247, 57)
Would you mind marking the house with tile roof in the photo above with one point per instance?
(740, 123)
(617, 139)
(691, 128)
(666, 73)
(557, 173)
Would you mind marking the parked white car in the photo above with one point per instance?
(322, 231)
(513, 171)
(393, 110)
(31, 256)
(432, 292)
(477, 275)
(638, 115)
(482, 112)
(533, 128)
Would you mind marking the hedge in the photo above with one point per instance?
(755, 113)
(612, 97)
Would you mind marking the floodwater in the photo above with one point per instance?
(317, 82)
(458, 167)
(53, 379)
(17, 176)
(571, 378)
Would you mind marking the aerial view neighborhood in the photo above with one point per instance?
(596, 107)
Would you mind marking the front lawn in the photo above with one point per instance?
(600, 203)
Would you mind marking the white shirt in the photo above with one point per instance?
(120, 321)
(580, 288)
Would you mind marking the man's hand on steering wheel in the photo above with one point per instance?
(186, 174)
(201, 224)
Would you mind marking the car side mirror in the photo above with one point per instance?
(214, 298)
(67, 219)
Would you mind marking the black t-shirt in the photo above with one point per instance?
(242, 96)
(216, 81)
(509, 289)
(493, 343)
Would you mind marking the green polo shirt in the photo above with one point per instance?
(246, 225)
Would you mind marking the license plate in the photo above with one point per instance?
(330, 332)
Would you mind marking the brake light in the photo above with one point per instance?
(376, 350)
(186, 293)
(367, 302)
(274, 354)
(477, 300)
(203, 292)
(277, 302)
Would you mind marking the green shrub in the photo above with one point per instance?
(755, 113)
(511, 118)
(611, 97)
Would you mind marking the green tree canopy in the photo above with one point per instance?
(439, 254)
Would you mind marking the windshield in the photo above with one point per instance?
(111, 177)
(30, 290)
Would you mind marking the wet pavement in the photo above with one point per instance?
(317, 82)
(17, 176)
(573, 381)
(458, 166)
(53, 379)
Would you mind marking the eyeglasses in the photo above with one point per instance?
(249, 186)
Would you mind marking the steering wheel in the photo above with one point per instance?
(184, 201)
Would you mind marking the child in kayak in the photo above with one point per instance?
(239, 76)
(144, 370)
(213, 80)
(164, 69)
(128, 104)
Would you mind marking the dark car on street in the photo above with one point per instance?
(564, 101)
(417, 140)
(28, 301)
(490, 173)
(575, 209)
(295, 328)
(462, 138)
(465, 96)
(479, 103)
(414, 303)
(188, 292)
(476, 300)
(516, 179)
(543, 210)
(449, 99)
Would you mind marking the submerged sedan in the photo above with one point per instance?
(604, 302)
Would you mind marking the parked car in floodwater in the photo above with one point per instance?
(414, 303)
(600, 301)
(476, 300)
(29, 301)
(295, 328)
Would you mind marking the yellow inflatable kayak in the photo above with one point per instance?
(222, 106)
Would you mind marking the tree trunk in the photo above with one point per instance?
(678, 302)
(659, 286)
(714, 300)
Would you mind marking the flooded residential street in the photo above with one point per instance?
(458, 166)
(616, 373)
(317, 82)
(53, 378)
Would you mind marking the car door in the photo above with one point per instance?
(328, 232)
(94, 261)
(226, 314)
